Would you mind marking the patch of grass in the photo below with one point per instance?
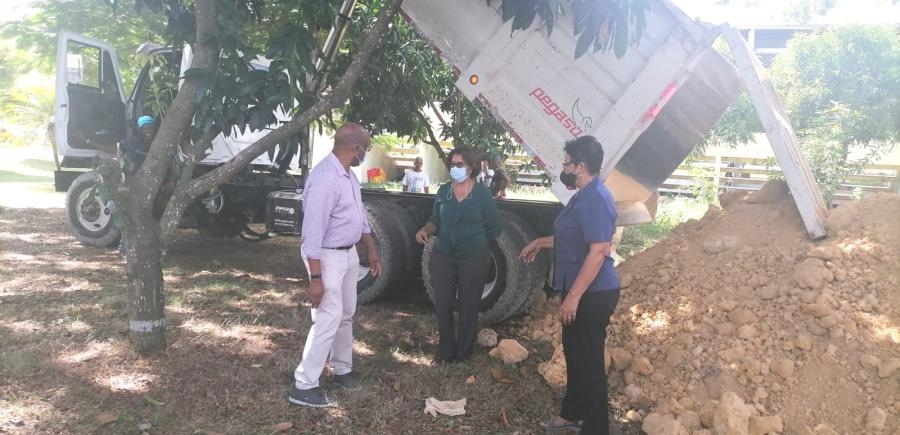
(19, 363)
(40, 165)
(15, 177)
(672, 211)
(225, 288)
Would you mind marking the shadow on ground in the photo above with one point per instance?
(236, 328)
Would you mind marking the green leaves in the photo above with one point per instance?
(601, 24)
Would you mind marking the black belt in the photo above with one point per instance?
(342, 248)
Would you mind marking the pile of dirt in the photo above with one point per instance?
(739, 323)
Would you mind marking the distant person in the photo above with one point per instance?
(499, 181)
(486, 175)
(416, 180)
(465, 219)
(136, 146)
(334, 221)
(584, 272)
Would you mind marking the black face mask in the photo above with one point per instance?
(568, 179)
(358, 159)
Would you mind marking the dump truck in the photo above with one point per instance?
(648, 109)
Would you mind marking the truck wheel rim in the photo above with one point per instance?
(492, 280)
(92, 214)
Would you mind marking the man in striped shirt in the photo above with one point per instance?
(334, 221)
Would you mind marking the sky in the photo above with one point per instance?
(736, 12)
(771, 12)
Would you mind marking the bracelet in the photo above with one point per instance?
(315, 276)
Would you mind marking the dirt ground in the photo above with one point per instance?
(236, 328)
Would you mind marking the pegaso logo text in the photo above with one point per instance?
(283, 209)
(553, 109)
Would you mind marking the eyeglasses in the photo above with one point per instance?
(569, 163)
(458, 164)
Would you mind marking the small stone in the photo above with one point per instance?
(620, 357)
(633, 416)
(812, 274)
(662, 424)
(742, 316)
(690, 420)
(764, 425)
(511, 352)
(642, 366)
(732, 355)
(760, 394)
(803, 342)
(875, 419)
(887, 368)
(817, 310)
(783, 368)
(633, 393)
(732, 415)
(487, 337)
(824, 429)
(727, 305)
(747, 332)
(869, 361)
(768, 292)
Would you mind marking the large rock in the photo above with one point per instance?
(813, 274)
(487, 337)
(662, 424)
(764, 425)
(732, 416)
(511, 352)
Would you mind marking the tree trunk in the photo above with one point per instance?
(147, 323)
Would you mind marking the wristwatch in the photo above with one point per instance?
(313, 276)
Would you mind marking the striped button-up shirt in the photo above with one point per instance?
(333, 212)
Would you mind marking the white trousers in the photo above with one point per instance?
(331, 334)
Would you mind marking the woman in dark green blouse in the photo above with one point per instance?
(465, 219)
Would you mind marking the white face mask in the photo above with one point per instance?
(459, 174)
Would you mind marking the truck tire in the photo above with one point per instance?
(413, 249)
(507, 289)
(538, 270)
(88, 218)
(389, 241)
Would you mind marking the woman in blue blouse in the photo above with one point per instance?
(585, 273)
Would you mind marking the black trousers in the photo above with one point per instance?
(584, 341)
(458, 283)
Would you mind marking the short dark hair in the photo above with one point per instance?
(470, 156)
(587, 150)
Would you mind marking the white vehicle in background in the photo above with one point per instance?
(648, 109)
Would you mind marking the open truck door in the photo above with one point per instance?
(90, 101)
(90, 122)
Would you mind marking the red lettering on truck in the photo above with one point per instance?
(552, 108)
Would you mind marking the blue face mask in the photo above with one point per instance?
(458, 174)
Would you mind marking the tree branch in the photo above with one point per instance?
(178, 118)
(182, 198)
(433, 139)
(336, 97)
